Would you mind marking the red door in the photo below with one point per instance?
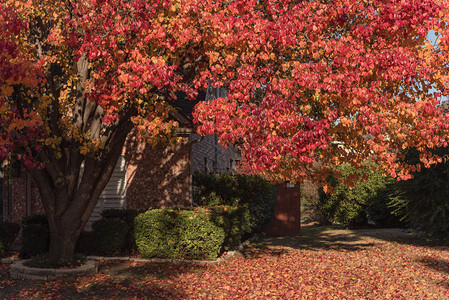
(287, 215)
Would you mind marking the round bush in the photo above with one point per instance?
(169, 233)
(127, 216)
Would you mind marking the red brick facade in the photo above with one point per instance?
(156, 176)
(160, 176)
(15, 204)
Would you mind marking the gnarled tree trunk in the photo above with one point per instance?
(69, 192)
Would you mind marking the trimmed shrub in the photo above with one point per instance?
(254, 196)
(109, 236)
(235, 221)
(35, 219)
(8, 233)
(35, 235)
(171, 233)
(2, 249)
(127, 216)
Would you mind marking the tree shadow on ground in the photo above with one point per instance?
(437, 264)
(114, 280)
(317, 238)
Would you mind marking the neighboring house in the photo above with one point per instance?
(145, 176)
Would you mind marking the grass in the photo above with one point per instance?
(323, 263)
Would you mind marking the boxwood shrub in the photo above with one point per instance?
(254, 197)
(172, 233)
(127, 216)
(235, 221)
(109, 236)
(35, 235)
(8, 233)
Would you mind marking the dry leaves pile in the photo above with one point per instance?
(380, 270)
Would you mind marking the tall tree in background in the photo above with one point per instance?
(301, 75)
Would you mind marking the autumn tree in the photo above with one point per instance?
(100, 70)
(329, 82)
(334, 81)
(16, 68)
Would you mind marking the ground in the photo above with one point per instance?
(322, 263)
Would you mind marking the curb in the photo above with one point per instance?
(156, 260)
(9, 260)
(19, 270)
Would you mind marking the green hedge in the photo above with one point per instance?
(368, 199)
(36, 236)
(8, 233)
(171, 233)
(423, 202)
(2, 249)
(235, 221)
(254, 197)
(109, 236)
(127, 216)
(232, 208)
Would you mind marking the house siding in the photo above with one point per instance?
(209, 156)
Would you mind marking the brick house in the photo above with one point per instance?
(145, 176)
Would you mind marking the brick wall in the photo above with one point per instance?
(209, 156)
(157, 176)
(15, 209)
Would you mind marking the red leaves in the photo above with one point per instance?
(17, 126)
(365, 82)
(302, 77)
(129, 58)
(324, 267)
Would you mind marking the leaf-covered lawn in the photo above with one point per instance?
(333, 266)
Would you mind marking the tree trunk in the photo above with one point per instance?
(68, 212)
(63, 239)
(70, 196)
